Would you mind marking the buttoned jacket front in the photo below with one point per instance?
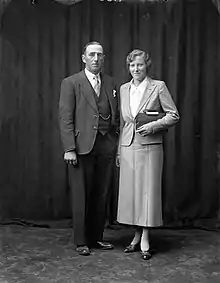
(156, 98)
(79, 114)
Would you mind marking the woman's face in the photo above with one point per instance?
(138, 68)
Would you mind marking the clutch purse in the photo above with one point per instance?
(147, 117)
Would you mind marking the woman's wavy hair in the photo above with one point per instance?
(137, 52)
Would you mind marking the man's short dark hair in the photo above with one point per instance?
(91, 43)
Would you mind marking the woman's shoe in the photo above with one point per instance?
(131, 248)
(146, 255)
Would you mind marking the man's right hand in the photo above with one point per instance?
(70, 157)
(118, 160)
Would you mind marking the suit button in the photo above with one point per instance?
(95, 128)
(96, 116)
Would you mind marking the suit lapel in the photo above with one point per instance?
(108, 90)
(125, 103)
(147, 94)
(108, 87)
(87, 90)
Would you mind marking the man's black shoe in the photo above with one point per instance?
(83, 250)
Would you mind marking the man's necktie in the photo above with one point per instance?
(96, 85)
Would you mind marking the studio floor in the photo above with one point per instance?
(31, 254)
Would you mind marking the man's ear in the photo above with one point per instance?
(83, 58)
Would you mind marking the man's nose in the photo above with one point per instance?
(96, 57)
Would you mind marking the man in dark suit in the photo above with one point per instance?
(89, 123)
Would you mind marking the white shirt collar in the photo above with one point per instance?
(141, 87)
(90, 75)
(136, 94)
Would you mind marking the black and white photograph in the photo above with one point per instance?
(109, 141)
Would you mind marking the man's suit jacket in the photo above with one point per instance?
(79, 115)
(156, 98)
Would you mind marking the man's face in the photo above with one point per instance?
(93, 58)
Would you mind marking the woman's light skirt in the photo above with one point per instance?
(140, 200)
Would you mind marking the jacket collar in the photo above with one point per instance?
(87, 88)
(146, 96)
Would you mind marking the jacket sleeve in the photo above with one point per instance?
(121, 122)
(67, 114)
(169, 108)
(117, 115)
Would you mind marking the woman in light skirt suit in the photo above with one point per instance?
(140, 151)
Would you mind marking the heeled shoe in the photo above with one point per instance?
(103, 245)
(146, 255)
(131, 248)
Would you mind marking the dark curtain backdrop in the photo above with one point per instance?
(41, 44)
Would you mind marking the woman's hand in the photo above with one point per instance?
(145, 130)
(117, 161)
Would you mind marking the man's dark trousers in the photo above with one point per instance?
(89, 182)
